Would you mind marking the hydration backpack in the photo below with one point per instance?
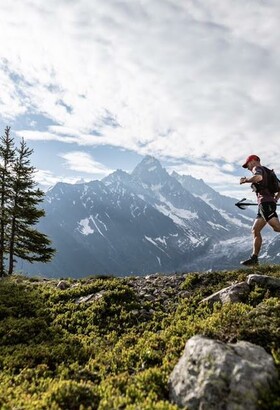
(272, 181)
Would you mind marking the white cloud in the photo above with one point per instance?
(83, 162)
(222, 178)
(47, 179)
(44, 136)
(10, 101)
(167, 78)
(208, 171)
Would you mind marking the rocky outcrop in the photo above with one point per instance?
(263, 281)
(156, 288)
(239, 291)
(216, 376)
(62, 285)
(165, 289)
(234, 293)
(92, 297)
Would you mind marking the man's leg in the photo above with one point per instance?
(275, 224)
(258, 225)
(257, 242)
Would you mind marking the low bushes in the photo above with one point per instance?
(58, 354)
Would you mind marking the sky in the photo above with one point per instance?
(94, 86)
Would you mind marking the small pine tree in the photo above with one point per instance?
(25, 241)
(7, 158)
(19, 212)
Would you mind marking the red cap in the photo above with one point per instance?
(250, 158)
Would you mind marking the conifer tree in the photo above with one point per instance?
(7, 157)
(25, 241)
(19, 212)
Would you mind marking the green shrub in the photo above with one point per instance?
(58, 354)
(71, 395)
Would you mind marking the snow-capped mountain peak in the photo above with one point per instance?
(136, 223)
(150, 171)
(117, 176)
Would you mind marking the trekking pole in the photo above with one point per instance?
(242, 205)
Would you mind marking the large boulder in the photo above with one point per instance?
(216, 376)
(234, 293)
(265, 281)
(62, 285)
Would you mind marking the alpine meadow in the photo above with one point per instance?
(111, 343)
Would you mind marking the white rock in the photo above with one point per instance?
(216, 376)
(234, 293)
(62, 285)
(263, 281)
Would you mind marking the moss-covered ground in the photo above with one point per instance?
(58, 354)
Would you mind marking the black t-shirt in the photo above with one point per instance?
(261, 189)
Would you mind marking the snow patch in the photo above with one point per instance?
(178, 215)
(159, 261)
(134, 210)
(156, 188)
(194, 240)
(216, 226)
(231, 219)
(161, 240)
(155, 244)
(96, 226)
(245, 217)
(84, 227)
(100, 221)
(206, 198)
(224, 214)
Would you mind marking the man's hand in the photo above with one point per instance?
(277, 196)
(243, 180)
(253, 180)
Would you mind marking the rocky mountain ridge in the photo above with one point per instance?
(139, 223)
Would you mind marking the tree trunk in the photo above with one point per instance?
(2, 229)
(11, 248)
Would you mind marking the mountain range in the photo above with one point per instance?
(144, 222)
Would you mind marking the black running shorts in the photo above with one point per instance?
(267, 210)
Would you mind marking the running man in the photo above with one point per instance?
(266, 205)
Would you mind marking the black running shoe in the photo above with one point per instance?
(253, 260)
